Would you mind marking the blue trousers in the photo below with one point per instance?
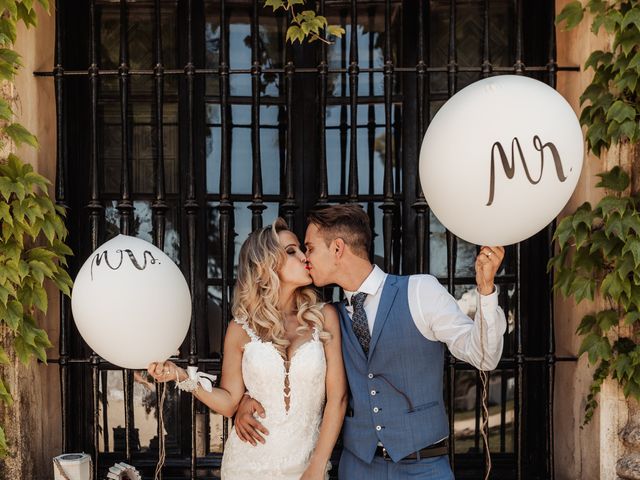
(434, 468)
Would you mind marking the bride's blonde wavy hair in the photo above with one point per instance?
(257, 292)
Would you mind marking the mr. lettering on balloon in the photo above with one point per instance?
(510, 167)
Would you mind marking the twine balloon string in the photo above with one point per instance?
(484, 380)
(161, 447)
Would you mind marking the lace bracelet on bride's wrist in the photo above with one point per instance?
(195, 378)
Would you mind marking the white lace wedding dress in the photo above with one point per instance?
(293, 415)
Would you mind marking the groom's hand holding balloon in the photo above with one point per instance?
(487, 264)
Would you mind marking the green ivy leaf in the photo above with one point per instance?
(295, 33)
(616, 179)
(631, 317)
(631, 17)
(274, 4)
(611, 205)
(628, 81)
(582, 288)
(596, 347)
(20, 135)
(28, 16)
(564, 231)
(13, 314)
(336, 30)
(7, 28)
(45, 4)
(629, 130)
(607, 319)
(621, 111)
(633, 245)
(9, 6)
(5, 396)
(571, 15)
(4, 447)
(586, 325)
(610, 20)
(612, 286)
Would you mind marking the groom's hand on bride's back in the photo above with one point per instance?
(247, 427)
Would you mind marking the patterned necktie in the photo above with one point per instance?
(359, 321)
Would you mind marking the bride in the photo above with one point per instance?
(282, 349)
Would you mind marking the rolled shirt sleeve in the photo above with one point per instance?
(438, 317)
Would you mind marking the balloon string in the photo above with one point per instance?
(161, 446)
(484, 379)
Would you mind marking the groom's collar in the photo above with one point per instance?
(371, 284)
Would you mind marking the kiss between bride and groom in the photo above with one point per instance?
(297, 371)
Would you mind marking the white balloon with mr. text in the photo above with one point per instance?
(501, 159)
(131, 303)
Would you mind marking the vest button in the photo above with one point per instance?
(376, 409)
(378, 428)
(373, 392)
(370, 375)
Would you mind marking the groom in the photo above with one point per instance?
(394, 329)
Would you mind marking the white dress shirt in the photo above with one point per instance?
(438, 317)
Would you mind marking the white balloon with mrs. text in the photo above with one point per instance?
(131, 303)
(501, 159)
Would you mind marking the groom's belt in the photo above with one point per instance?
(435, 450)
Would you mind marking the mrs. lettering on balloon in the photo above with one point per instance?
(510, 167)
(99, 257)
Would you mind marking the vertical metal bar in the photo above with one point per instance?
(422, 223)
(257, 205)
(353, 70)
(519, 357)
(289, 205)
(191, 208)
(452, 65)
(452, 249)
(343, 108)
(519, 66)
(95, 215)
(552, 69)
(452, 241)
(322, 120)
(486, 45)
(125, 205)
(503, 410)
(226, 205)
(551, 361)
(61, 185)
(95, 400)
(159, 206)
(371, 128)
(388, 205)
(105, 414)
(552, 65)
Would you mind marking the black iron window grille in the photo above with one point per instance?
(191, 122)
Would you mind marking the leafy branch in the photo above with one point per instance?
(306, 23)
(32, 232)
(599, 247)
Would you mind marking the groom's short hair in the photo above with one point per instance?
(348, 221)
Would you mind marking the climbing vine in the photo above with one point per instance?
(32, 232)
(599, 246)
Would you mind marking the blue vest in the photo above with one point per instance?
(396, 392)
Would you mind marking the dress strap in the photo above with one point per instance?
(316, 334)
(245, 326)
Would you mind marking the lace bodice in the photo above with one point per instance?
(293, 395)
